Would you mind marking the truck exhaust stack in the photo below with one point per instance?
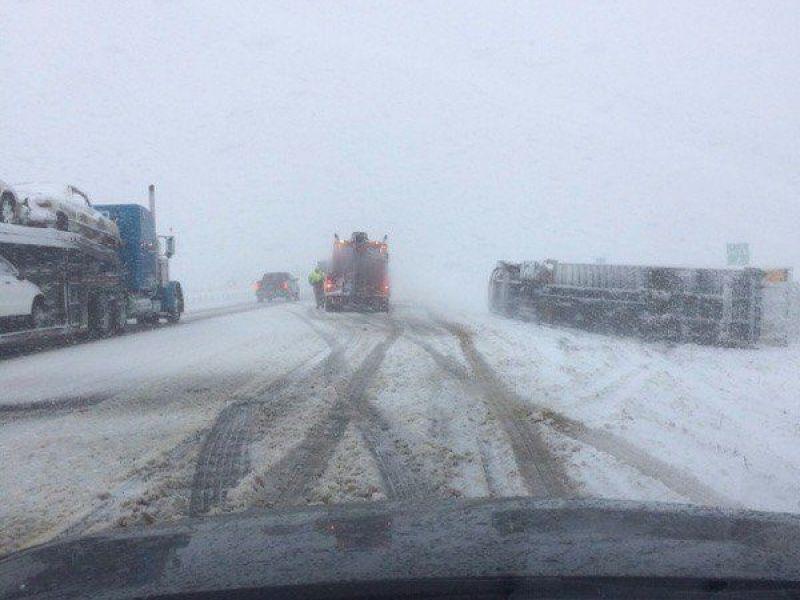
(151, 197)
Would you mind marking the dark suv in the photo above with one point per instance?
(277, 285)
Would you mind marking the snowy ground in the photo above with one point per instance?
(278, 405)
(727, 417)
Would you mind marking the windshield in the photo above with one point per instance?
(556, 247)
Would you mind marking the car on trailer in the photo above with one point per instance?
(21, 301)
(63, 207)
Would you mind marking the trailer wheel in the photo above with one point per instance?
(120, 317)
(7, 208)
(147, 320)
(101, 319)
(62, 222)
(38, 314)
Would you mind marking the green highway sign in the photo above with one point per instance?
(738, 254)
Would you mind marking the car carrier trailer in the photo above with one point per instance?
(91, 287)
(713, 306)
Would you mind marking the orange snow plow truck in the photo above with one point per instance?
(358, 275)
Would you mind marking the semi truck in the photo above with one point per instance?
(86, 286)
(735, 306)
(358, 274)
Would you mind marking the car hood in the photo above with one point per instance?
(377, 542)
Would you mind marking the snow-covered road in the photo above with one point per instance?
(282, 405)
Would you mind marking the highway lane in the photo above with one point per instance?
(266, 406)
(131, 328)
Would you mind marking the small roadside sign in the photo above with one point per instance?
(738, 254)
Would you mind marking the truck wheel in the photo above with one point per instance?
(328, 305)
(174, 315)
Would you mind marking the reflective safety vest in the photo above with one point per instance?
(316, 277)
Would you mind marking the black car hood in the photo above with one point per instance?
(363, 543)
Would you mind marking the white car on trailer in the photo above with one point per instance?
(19, 298)
(62, 207)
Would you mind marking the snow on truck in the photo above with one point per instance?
(358, 274)
(712, 306)
(63, 280)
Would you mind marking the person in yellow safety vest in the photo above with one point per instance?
(317, 280)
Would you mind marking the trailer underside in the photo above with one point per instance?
(684, 305)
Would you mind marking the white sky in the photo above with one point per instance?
(467, 131)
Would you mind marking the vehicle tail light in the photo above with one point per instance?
(257, 285)
(329, 284)
(285, 285)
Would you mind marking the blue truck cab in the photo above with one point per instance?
(151, 294)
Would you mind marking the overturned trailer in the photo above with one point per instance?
(713, 306)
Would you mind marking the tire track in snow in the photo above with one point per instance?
(675, 479)
(398, 480)
(458, 372)
(543, 473)
(295, 475)
(137, 481)
(52, 406)
(222, 462)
